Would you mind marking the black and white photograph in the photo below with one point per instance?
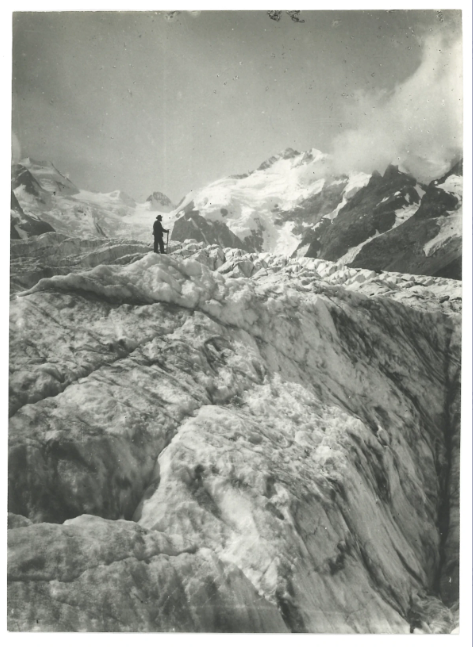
(236, 260)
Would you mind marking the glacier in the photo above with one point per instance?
(222, 441)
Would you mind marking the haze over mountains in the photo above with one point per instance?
(293, 203)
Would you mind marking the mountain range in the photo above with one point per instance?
(292, 204)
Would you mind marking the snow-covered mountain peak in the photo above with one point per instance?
(160, 201)
(48, 176)
(270, 208)
(289, 158)
(293, 203)
(287, 153)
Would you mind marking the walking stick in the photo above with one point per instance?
(167, 241)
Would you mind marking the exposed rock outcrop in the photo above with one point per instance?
(372, 211)
(191, 225)
(47, 175)
(158, 200)
(23, 225)
(430, 242)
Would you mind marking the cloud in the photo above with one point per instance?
(417, 126)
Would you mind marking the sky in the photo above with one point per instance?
(143, 102)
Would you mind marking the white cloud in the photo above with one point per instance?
(418, 125)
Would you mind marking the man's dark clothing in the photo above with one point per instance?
(161, 245)
(158, 231)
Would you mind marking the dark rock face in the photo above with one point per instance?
(49, 178)
(371, 210)
(14, 235)
(239, 176)
(23, 225)
(436, 202)
(192, 225)
(21, 176)
(452, 270)
(312, 239)
(403, 249)
(254, 242)
(313, 209)
(372, 213)
(159, 200)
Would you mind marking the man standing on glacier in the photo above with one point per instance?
(158, 231)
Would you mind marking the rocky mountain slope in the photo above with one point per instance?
(46, 195)
(270, 208)
(23, 225)
(430, 242)
(292, 203)
(217, 440)
(394, 224)
(160, 202)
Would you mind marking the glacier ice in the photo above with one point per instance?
(221, 441)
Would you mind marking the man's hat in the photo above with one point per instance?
(159, 217)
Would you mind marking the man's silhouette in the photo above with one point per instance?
(158, 231)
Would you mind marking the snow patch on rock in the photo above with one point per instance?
(450, 227)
